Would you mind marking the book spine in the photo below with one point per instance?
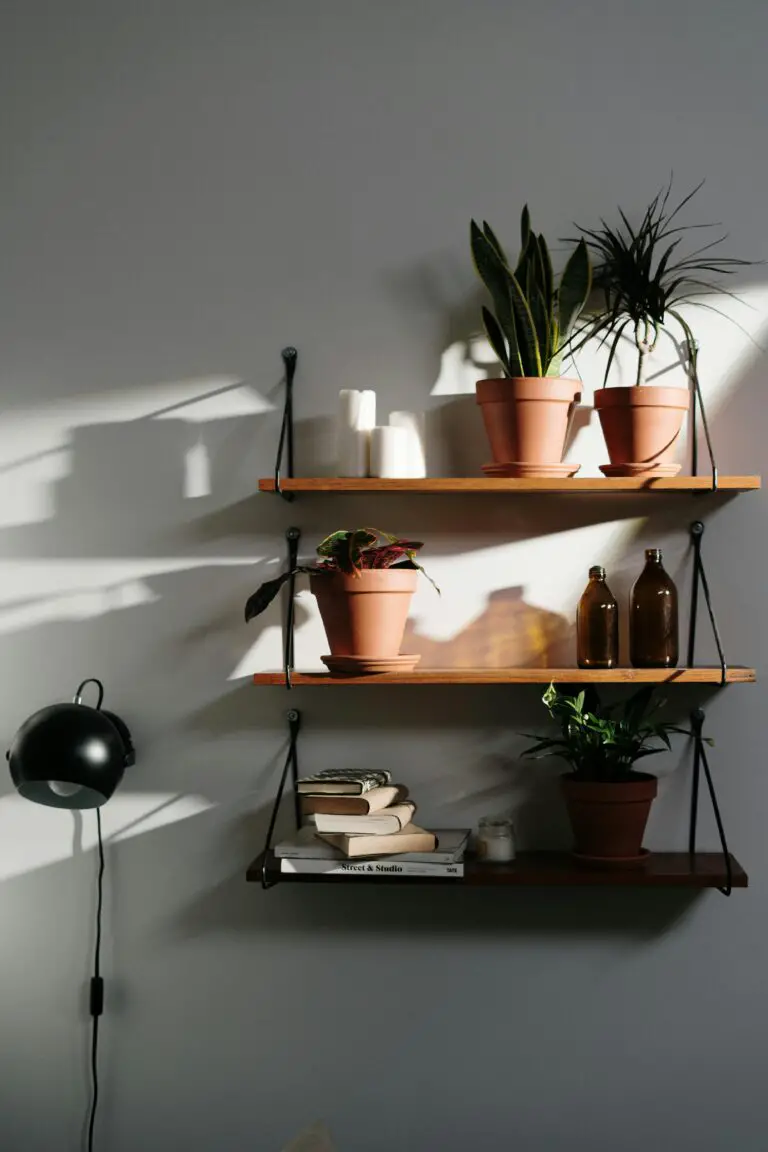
(298, 866)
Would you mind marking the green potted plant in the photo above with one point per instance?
(363, 580)
(643, 279)
(608, 800)
(526, 413)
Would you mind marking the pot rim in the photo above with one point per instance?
(642, 396)
(370, 579)
(637, 778)
(550, 389)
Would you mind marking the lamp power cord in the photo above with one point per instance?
(96, 992)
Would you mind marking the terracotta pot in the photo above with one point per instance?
(641, 424)
(365, 615)
(609, 820)
(526, 418)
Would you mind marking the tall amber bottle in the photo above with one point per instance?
(653, 627)
(597, 624)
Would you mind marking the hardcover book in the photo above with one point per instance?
(382, 823)
(343, 782)
(409, 839)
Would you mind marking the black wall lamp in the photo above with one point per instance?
(74, 756)
(71, 755)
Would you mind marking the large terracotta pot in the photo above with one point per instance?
(526, 418)
(609, 820)
(642, 426)
(365, 615)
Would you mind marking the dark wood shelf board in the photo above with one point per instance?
(481, 484)
(700, 675)
(547, 870)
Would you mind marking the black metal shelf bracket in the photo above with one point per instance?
(700, 581)
(293, 717)
(292, 536)
(700, 761)
(285, 443)
(697, 408)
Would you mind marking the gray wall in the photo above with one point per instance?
(187, 187)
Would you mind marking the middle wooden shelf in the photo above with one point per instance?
(736, 674)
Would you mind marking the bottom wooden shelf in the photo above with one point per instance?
(548, 870)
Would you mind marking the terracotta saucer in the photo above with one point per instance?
(612, 862)
(532, 471)
(369, 665)
(649, 470)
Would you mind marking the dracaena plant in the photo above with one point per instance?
(345, 551)
(603, 743)
(533, 317)
(643, 276)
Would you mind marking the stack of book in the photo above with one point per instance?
(360, 822)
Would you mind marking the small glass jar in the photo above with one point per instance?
(495, 840)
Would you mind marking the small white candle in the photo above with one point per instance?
(389, 452)
(356, 417)
(415, 425)
(353, 452)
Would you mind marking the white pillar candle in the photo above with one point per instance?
(353, 452)
(414, 424)
(356, 417)
(389, 452)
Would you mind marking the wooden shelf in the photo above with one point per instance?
(704, 675)
(547, 870)
(479, 484)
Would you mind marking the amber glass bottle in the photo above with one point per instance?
(653, 628)
(597, 624)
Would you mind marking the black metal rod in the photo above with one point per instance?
(285, 442)
(697, 722)
(292, 536)
(693, 368)
(697, 531)
(291, 761)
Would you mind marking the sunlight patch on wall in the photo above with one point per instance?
(33, 836)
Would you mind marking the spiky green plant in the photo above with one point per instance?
(596, 743)
(533, 316)
(643, 284)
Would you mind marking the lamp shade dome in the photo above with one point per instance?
(69, 756)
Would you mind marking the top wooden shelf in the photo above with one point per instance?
(479, 484)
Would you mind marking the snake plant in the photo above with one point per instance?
(533, 316)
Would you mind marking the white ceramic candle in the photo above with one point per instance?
(414, 424)
(356, 417)
(389, 452)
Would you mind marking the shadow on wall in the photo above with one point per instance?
(509, 634)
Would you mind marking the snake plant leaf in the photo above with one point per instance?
(497, 342)
(525, 228)
(528, 344)
(541, 324)
(575, 286)
(549, 276)
(494, 241)
(494, 273)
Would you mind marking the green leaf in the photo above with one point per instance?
(528, 345)
(497, 342)
(575, 286)
(494, 241)
(525, 228)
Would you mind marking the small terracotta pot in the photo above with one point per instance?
(526, 418)
(641, 424)
(365, 615)
(609, 820)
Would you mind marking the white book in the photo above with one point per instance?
(304, 845)
(387, 866)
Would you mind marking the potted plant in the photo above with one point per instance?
(643, 280)
(526, 414)
(608, 800)
(364, 580)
